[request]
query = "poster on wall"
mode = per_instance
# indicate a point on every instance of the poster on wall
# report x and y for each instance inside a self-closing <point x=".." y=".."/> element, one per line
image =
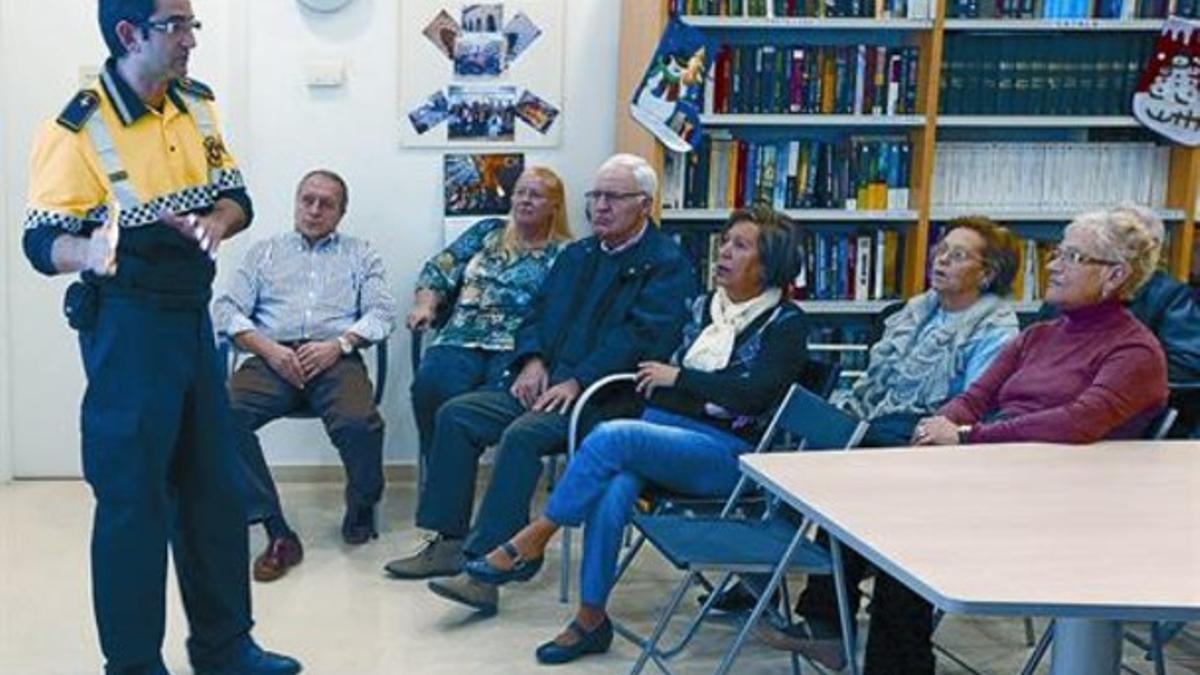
<point x="480" y="184"/>
<point x="476" y="75"/>
<point x="1167" y="100"/>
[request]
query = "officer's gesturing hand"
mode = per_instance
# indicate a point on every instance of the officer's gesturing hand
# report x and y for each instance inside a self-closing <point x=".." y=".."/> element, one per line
<point x="207" y="231"/>
<point x="317" y="357"/>
<point x="286" y="363"/>
<point x="100" y="254"/>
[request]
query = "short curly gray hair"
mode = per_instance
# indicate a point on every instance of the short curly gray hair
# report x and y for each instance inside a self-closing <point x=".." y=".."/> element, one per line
<point x="643" y="174"/>
<point x="1121" y="235"/>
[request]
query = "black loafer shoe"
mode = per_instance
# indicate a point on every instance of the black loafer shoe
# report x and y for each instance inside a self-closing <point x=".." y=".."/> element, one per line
<point x="522" y="570"/>
<point x="250" y="659"/>
<point x="358" y="525"/>
<point x="595" y="641"/>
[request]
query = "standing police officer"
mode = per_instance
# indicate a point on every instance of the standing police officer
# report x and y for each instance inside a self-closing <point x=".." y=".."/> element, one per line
<point x="133" y="187"/>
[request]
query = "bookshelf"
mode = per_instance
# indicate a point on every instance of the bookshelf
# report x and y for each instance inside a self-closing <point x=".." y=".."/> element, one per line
<point x="642" y="22"/>
<point x="843" y="327"/>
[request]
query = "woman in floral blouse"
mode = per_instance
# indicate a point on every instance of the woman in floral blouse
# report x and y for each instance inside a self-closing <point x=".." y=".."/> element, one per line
<point x="484" y="282"/>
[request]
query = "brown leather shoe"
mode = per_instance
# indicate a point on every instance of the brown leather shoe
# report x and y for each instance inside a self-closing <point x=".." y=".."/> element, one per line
<point x="281" y="553"/>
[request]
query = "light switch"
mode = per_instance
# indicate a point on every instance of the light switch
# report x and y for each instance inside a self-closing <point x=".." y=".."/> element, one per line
<point x="88" y="75"/>
<point x="325" y="73"/>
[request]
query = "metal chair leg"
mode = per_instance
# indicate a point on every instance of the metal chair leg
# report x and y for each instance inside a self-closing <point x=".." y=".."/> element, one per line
<point x="661" y="627"/>
<point x="780" y="569"/>
<point x="564" y="571"/>
<point x="1039" y="650"/>
<point x="845" y="618"/>
<point x="1030" y="633"/>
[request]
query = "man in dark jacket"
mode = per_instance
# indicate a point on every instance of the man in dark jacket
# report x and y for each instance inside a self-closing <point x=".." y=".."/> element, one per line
<point x="612" y="300"/>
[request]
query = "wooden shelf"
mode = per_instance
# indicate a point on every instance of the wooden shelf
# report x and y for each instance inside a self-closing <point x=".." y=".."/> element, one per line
<point x="843" y="306"/>
<point x="1039" y="121"/>
<point x="643" y="21"/>
<point x="803" y="120"/>
<point x="805" y="23"/>
<point x="800" y="215"/>
<point x="1038" y="215"/>
<point x="1053" y="25"/>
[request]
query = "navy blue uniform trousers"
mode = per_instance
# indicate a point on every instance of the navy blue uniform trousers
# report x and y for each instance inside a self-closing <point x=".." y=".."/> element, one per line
<point x="157" y="453"/>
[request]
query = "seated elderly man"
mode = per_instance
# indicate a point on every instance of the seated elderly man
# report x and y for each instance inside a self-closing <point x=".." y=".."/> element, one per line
<point x="611" y="301"/>
<point x="302" y="304"/>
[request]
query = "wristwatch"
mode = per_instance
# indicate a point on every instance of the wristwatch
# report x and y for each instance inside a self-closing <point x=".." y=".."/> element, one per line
<point x="964" y="433"/>
<point x="346" y="345"/>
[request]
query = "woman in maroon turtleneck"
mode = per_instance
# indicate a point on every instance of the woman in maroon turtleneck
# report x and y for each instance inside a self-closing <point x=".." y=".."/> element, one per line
<point x="1093" y="373"/>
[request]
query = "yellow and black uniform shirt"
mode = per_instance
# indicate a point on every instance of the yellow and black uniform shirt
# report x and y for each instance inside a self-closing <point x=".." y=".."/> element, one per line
<point x="108" y="147"/>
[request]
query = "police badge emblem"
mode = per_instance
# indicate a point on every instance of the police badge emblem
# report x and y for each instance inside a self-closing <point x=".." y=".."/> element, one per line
<point x="214" y="151"/>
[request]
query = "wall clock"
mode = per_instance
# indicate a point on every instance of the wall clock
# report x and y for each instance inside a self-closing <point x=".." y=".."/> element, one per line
<point x="325" y="6"/>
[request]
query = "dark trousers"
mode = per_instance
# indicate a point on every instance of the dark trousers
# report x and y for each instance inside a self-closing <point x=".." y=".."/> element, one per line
<point x="341" y="396"/>
<point x="158" y="455"/>
<point x="901" y="631"/>
<point x="446" y="372"/>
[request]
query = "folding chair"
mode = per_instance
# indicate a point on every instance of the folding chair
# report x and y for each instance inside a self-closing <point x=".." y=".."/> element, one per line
<point x="731" y="545"/>
<point x="819" y="377"/>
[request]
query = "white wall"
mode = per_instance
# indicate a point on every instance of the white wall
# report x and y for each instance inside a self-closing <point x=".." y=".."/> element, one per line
<point x="253" y="53"/>
<point x="5" y="317"/>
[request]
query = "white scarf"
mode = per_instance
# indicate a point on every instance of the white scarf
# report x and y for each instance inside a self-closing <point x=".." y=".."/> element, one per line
<point x="714" y="346"/>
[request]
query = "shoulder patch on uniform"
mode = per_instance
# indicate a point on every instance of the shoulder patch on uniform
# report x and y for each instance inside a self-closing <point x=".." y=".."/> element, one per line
<point x="195" y="88"/>
<point x="82" y="106"/>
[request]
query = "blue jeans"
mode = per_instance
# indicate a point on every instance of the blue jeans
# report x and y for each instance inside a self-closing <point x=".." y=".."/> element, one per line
<point x="602" y="483"/>
<point x="445" y="372"/>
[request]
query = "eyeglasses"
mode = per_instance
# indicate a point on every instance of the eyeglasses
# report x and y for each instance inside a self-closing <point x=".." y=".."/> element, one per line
<point x="597" y="196"/>
<point x="954" y="255"/>
<point x="173" y="25"/>
<point x="1074" y="256"/>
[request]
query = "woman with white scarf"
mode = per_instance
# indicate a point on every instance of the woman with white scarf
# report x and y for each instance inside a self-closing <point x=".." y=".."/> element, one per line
<point x="742" y="349"/>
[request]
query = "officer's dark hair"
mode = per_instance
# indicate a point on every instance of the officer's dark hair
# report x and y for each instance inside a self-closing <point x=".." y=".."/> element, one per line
<point x="326" y="173"/>
<point x="113" y="12"/>
<point x="778" y="243"/>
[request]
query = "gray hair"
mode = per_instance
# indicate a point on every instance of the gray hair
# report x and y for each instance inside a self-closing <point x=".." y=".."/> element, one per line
<point x="1121" y="235"/>
<point x="643" y="174"/>
<point x="1148" y="219"/>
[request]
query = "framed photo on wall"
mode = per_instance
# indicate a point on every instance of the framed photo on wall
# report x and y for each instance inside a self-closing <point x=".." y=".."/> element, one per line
<point x="481" y="75"/>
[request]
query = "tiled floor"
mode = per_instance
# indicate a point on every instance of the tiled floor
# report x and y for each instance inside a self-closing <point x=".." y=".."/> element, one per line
<point x="340" y="615"/>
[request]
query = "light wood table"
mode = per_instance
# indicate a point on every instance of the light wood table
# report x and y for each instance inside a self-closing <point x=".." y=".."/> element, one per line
<point x="1089" y="535"/>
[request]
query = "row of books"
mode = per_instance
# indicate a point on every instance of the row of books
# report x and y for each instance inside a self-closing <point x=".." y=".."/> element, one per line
<point x="1004" y="74"/>
<point x="856" y="173"/>
<point x="1071" y="9"/>
<point x="858" y="266"/>
<point x="871" y="9"/>
<point x="994" y="177"/>
<point x="862" y="79"/>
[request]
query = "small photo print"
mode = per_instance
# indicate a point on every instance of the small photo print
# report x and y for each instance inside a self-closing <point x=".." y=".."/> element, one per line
<point x="487" y="18"/>
<point x="536" y="112"/>
<point x="481" y="184"/>
<point x="443" y="32"/>
<point x="479" y="55"/>
<point x="482" y="113"/>
<point x="520" y="33"/>
<point x="431" y="113"/>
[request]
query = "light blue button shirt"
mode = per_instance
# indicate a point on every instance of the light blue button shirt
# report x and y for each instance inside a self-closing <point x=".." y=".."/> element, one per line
<point x="291" y="291"/>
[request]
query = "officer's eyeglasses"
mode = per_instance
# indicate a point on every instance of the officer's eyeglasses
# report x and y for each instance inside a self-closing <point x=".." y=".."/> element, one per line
<point x="173" y="25"/>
